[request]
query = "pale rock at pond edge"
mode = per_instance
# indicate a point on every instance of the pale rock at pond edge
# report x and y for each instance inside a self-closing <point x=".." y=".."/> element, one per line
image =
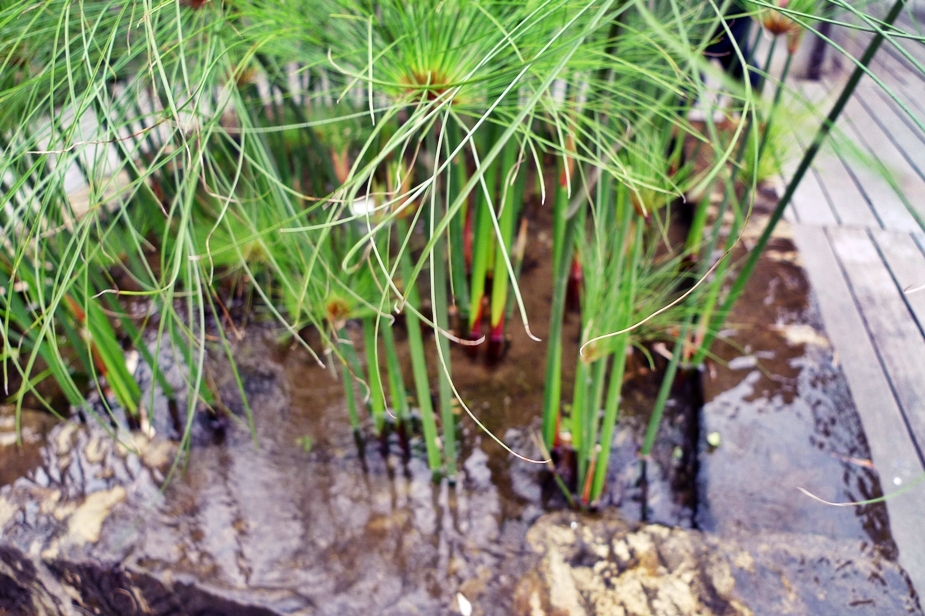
<point x="52" y="522"/>
<point x="601" y="565"/>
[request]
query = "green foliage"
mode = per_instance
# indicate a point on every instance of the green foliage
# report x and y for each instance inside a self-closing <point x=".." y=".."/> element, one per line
<point x="319" y="159"/>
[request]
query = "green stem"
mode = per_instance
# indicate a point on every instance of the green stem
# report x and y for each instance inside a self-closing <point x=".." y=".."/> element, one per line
<point x="591" y="417"/>
<point x="706" y="307"/>
<point x="396" y="381"/>
<point x="738" y="286"/>
<point x="562" y="263"/>
<point x="518" y="254"/>
<point x="376" y="391"/>
<point x="419" y="362"/>
<point x="711" y="301"/>
<point x="458" y="177"/>
<point x="667" y="381"/>
<point x="774" y="105"/>
<point x="512" y="193"/>
<point x="579" y="437"/>
<point x="611" y="412"/>
<point x="483" y="243"/>
<point x="346" y="350"/>
<point x="700" y="216"/>
<point x="441" y="319"/>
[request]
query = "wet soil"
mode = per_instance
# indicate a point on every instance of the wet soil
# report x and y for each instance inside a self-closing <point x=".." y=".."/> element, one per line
<point x="273" y="528"/>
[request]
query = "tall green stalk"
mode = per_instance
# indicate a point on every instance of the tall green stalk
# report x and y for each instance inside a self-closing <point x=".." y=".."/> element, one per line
<point x="738" y="285"/>
<point x="376" y="391"/>
<point x="442" y="322"/>
<point x="664" y="390"/>
<point x="419" y="362"/>
<point x="709" y="304"/>
<point x="456" y="180"/>
<point x="483" y="243"/>
<point x="563" y="233"/>
<point x="349" y="360"/>
<point x="512" y="190"/>
<point x="611" y="412"/>
<point x="397" y="390"/>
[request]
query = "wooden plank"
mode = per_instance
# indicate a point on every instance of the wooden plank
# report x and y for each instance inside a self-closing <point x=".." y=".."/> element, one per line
<point x="849" y="204"/>
<point x="895" y="334"/>
<point x="882" y="64"/>
<point x="910" y="96"/>
<point x="907" y="264"/>
<point x="908" y="137"/>
<point x="850" y="207"/>
<point x="893" y="75"/>
<point x="809" y="203"/>
<point x="859" y="195"/>
<point x="888" y="137"/>
<point x="913" y="48"/>
<point x="906" y="62"/>
<point x="876" y="191"/>
<point x="890" y="203"/>
<point x="907" y="65"/>
<point x="892" y="449"/>
<point x="882" y="125"/>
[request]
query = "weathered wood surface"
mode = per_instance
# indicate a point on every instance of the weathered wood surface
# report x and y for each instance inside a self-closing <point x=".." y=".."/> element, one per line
<point x="809" y="204"/>
<point x="836" y="179"/>
<point x="895" y="332"/>
<point x="894" y="453"/>
<point x="901" y="129"/>
<point x="893" y="176"/>
<point x="906" y="261"/>
<point x="866" y="257"/>
<point x="852" y="174"/>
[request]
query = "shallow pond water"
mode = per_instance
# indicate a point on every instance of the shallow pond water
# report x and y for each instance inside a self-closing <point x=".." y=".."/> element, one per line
<point x="279" y="528"/>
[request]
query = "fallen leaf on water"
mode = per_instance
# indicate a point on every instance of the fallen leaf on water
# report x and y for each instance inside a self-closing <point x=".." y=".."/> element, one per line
<point x="859" y="461"/>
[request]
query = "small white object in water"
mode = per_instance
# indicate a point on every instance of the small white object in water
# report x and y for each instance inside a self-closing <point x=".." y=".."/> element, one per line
<point x="574" y="525"/>
<point x="465" y="607"/>
<point x="714" y="439"/>
<point x="897" y="481"/>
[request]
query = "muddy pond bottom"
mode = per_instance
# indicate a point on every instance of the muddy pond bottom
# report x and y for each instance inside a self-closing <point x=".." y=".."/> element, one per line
<point x="307" y="522"/>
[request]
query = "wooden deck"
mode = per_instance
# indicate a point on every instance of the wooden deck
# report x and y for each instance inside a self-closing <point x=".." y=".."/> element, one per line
<point x="858" y="224"/>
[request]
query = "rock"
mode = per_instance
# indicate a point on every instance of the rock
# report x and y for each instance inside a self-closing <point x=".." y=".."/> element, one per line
<point x="90" y="528"/>
<point x="605" y="566"/>
<point x="78" y="545"/>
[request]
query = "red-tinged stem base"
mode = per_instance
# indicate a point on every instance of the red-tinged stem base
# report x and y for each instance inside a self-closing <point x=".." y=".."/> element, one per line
<point x="497" y="343"/>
